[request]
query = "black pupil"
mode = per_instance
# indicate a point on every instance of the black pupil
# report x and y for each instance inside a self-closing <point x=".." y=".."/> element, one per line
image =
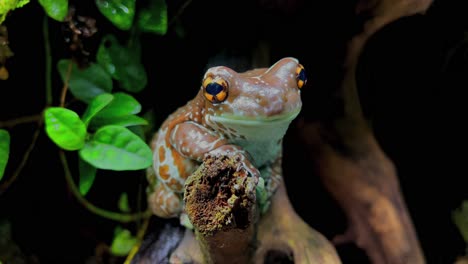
<point x="214" y="88"/>
<point x="302" y="75"/>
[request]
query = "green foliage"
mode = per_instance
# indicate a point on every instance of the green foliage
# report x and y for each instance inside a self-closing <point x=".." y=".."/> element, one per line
<point x="10" y="5"/>
<point x="128" y="120"/>
<point x="122" y="63"/>
<point x="122" y="104"/>
<point x="123" y="203"/>
<point x="119" y="12"/>
<point x="85" y="84"/>
<point x="123" y="242"/>
<point x="460" y="218"/>
<point x="4" y="150"/>
<point x="65" y="128"/>
<point x="154" y="18"/>
<point x="121" y="111"/>
<point x="96" y="105"/>
<point x="116" y="148"/>
<point x="87" y="176"/>
<point x="56" y="9"/>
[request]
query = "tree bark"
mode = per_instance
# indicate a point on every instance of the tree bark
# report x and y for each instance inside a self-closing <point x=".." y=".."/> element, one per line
<point x="350" y="162"/>
<point x="220" y="203"/>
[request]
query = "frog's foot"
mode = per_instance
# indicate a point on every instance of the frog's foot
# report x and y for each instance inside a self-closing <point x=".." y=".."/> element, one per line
<point x="243" y="156"/>
<point x="188" y="251"/>
<point x="282" y="230"/>
<point x="164" y="202"/>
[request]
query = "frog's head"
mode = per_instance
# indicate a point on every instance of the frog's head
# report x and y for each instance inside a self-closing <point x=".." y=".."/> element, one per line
<point x="260" y="95"/>
<point x="254" y="109"/>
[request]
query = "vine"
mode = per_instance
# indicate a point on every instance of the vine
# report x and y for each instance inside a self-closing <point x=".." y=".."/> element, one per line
<point x="108" y="134"/>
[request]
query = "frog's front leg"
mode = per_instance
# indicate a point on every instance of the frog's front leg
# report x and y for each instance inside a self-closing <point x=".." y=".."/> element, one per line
<point x="271" y="178"/>
<point x="195" y="141"/>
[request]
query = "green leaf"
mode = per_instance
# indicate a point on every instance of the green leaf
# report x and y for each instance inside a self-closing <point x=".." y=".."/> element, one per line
<point x="119" y="12"/>
<point x="85" y="84"/>
<point x="103" y="56"/>
<point x="56" y="9"/>
<point x="10" y="5"/>
<point x="117" y="148"/>
<point x="123" y="203"/>
<point x="87" y="176"/>
<point x="124" y="121"/>
<point x="65" y="128"/>
<point x="4" y="150"/>
<point x="96" y="105"/>
<point x="123" y="104"/>
<point x="154" y="18"/>
<point x="122" y="63"/>
<point x="123" y="242"/>
<point x="460" y="218"/>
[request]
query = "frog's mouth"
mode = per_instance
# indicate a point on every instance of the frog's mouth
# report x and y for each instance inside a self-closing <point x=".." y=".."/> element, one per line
<point x="256" y="120"/>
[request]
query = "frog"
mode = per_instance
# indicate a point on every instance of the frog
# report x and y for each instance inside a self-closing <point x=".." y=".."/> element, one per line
<point x="233" y="113"/>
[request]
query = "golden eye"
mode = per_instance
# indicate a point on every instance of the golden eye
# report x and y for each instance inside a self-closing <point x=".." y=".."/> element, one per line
<point x="301" y="76"/>
<point x="215" y="90"/>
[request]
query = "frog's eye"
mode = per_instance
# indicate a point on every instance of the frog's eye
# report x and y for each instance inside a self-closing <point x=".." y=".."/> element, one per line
<point x="301" y="76"/>
<point x="215" y="90"/>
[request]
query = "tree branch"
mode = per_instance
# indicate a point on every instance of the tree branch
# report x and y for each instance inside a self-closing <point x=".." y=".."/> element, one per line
<point x="352" y="165"/>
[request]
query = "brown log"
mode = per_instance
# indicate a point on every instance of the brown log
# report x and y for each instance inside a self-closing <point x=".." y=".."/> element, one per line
<point x="230" y="232"/>
<point x="220" y="203"/>
<point x="352" y="165"/>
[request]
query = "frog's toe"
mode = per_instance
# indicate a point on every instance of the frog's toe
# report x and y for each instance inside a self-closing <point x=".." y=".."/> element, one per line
<point x="164" y="202"/>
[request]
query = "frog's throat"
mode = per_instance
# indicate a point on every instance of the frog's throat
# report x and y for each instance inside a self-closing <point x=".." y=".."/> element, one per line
<point x="256" y="120"/>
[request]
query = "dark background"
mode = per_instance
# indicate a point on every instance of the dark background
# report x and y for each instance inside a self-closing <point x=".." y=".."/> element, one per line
<point x="411" y="80"/>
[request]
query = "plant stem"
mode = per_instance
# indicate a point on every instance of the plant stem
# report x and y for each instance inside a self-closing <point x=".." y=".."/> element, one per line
<point x="65" y="84"/>
<point x="17" y="172"/>
<point x="136" y="247"/>
<point x="48" y="60"/>
<point x="119" y="217"/>
<point x="21" y="120"/>
<point x="179" y="12"/>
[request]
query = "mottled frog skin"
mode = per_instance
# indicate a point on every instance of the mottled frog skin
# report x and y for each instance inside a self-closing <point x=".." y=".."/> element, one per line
<point x="246" y="113"/>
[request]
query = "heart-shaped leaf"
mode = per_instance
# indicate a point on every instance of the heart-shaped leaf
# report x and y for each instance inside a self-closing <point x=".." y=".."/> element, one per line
<point x="123" y="104"/>
<point x="154" y="18"/>
<point x="65" y="128"/>
<point x="117" y="148"/>
<point x="4" y="150"/>
<point x="96" y="105"/>
<point x="119" y="12"/>
<point x="124" y="121"/>
<point x="56" y="9"/>
<point x="123" y="242"/>
<point x="85" y="84"/>
<point x="87" y="176"/>
<point x="122" y="63"/>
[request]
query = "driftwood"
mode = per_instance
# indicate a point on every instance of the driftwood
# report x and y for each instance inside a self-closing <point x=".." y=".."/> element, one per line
<point x="220" y="201"/>
<point x="221" y="204"/>
<point x="350" y="162"/>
